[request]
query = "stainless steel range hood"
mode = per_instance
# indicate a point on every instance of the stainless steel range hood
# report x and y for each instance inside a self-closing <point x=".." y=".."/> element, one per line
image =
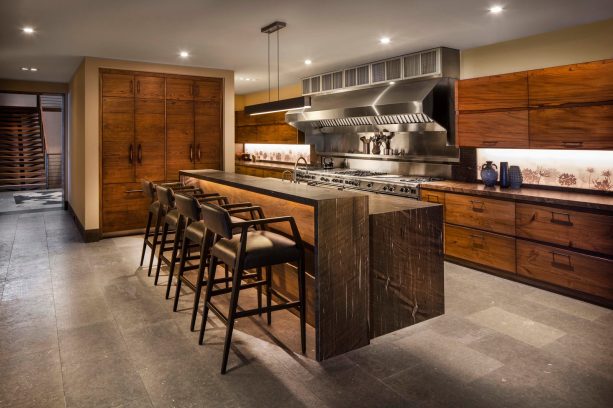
<point x="421" y="105"/>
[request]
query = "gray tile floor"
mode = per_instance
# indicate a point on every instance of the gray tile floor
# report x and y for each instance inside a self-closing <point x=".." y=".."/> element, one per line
<point x="82" y="326"/>
<point x="9" y="205"/>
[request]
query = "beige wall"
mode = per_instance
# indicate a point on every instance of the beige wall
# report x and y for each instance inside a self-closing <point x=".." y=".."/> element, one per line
<point x="285" y="92"/>
<point x="91" y="149"/>
<point x="75" y="180"/>
<point x="583" y="43"/>
<point x="32" y="86"/>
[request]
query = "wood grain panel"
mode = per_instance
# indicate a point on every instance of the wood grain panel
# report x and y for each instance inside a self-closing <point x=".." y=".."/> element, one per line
<point x="150" y="136"/>
<point x="246" y="134"/>
<point x="577" y="83"/>
<point x="342" y="278"/>
<point x="208" y="134"/>
<point x="117" y="140"/>
<point x="120" y="85"/>
<point x="179" y="89"/>
<point x="478" y="212"/>
<point x="208" y="90"/>
<point x="493" y="129"/>
<point x="259" y="172"/>
<point x="484" y="248"/>
<point x="564" y="268"/>
<point x="574" y="229"/>
<point x="150" y="87"/>
<point x="582" y="127"/>
<point x="180" y="149"/>
<point x="406" y="286"/>
<point x="432" y="196"/>
<point x="123" y="207"/>
<point x="493" y="92"/>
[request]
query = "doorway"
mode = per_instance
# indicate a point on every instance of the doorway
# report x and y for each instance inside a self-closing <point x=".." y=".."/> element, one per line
<point x="31" y="152"/>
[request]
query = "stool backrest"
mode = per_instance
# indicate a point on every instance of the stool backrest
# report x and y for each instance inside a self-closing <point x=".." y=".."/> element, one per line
<point x="217" y="220"/>
<point x="149" y="190"/>
<point x="166" y="196"/>
<point x="188" y="206"/>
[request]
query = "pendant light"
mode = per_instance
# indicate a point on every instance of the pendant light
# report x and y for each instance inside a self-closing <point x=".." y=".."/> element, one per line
<point x="278" y="105"/>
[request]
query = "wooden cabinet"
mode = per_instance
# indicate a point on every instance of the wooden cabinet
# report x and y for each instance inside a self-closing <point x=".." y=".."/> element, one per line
<point x="576" y="83"/>
<point x="432" y="196"/>
<point x="580" y="127"/>
<point x="114" y="84"/>
<point x="492" y="250"/>
<point x="150" y="87"/>
<point x="494" y="129"/>
<point x="179" y="89"/>
<point x="258" y="171"/>
<point x="583" y="273"/>
<point x="152" y="126"/>
<point x="269" y="128"/>
<point x="493" y="92"/>
<point x="478" y="212"/>
<point x="565" y="227"/>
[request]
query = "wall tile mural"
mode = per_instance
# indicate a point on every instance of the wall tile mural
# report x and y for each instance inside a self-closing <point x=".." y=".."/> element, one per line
<point x="587" y="169"/>
<point x="278" y="152"/>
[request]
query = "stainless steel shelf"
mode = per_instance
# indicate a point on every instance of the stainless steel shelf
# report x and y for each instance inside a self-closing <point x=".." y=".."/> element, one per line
<point x="405" y="158"/>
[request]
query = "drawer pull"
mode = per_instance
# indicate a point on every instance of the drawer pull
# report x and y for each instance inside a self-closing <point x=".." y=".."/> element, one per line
<point x="477" y="205"/>
<point x="479" y="244"/>
<point x="556" y="258"/>
<point x="572" y="144"/>
<point x="433" y="199"/>
<point x="490" y="142"/>
<point x="559" y="220"/>
<point x="133" y="191"/>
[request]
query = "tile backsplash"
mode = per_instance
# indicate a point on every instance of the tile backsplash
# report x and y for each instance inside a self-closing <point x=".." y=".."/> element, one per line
<point x="587" y="169"/>
<point x="278" y="152"/>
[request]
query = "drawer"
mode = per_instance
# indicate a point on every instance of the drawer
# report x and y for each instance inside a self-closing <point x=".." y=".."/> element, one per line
<point x="493" y="250"/>
<point x="482" y="213"/>
<point x="123" y="207"/>
<point x="588" y="274"/>
<point x="432" y="196"/>
<point x="574" y="229"/>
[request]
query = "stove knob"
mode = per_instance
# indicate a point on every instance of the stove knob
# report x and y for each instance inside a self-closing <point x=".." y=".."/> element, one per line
<point x="385" y="188"/>
<point x="392" y="188"/>
<point x="369" y="185"/>
<point x="403" y="190"/>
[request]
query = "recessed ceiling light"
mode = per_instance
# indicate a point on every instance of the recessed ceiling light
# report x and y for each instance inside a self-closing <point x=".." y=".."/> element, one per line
<point x="392" y="83"/>
<point x="25" y="68"/>
<point x="28" y="30"/>
<point x="385" y="40"/>
<point x="308" y="62"/>
<point x="183" y="54"/>
<point x="496" y="9"/>
<point x="33" y="69"/>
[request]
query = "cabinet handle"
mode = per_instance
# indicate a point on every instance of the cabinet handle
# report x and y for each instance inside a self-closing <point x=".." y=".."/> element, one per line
<point x="139" y="153"/>
<point x="561" y="265"/>
<point x="196" y="90"/>
<point x="490" y="142"/>
<point x="558" y="221"/>
<point x="199" y="153"/>
<point x="191" y="153"/>
<point x="433" y="198"/>
<point x="481" y="205"/>
<point x="475" y="244"/>
<point x="138" y="87"/>
<point x="572" y="144"/>
<point x="133" y="191"/>
<point x="131" y="154"/>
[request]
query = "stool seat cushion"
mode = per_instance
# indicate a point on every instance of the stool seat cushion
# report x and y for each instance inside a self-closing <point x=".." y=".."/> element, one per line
<point x="196" y="230"/>
<point x="154" y="207"/>
<point x="263" y="248"/>
<point x="172" y="218"/>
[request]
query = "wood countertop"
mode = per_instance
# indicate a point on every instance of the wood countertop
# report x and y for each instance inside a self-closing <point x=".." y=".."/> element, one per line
<point x="534" y="195"/>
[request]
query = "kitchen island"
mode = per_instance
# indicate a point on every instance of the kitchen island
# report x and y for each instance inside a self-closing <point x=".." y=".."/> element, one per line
<point x="374" y="263"/>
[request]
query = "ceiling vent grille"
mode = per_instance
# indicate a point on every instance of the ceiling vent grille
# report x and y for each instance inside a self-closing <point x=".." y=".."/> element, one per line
<point x="392" y="69"/>
<point x="412" y="65"/>
<point x="326" y="82"/>
<point x="363" y="75"/>
<point x="315" y="84"/>
<point x="429" y="63"/>
<point x="337" y="80"/>
<point x="378" y="72"/>
<point x="402" y="119"/>
<point x="306" y="86"/>
<point x="351" y="77"/>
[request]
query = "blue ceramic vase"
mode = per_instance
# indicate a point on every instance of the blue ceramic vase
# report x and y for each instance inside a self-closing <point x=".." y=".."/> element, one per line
<point x="504" y="175"/>
<point x="489" y="174"/>
<point x="515" y="177"/>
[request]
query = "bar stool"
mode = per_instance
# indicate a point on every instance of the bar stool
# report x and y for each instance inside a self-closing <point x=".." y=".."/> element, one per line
<point x="247" y="250"/>
<point x="174" y="225"/>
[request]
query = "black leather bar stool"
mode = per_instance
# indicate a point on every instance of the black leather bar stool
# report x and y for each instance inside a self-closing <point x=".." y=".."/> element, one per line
<point x="174" y="226"/>
<point x="156" y="212"/>
<point x="247" y="250"/>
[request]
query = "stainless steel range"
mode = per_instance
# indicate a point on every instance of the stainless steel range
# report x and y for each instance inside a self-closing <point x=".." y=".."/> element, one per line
<point x="371" y="181"/>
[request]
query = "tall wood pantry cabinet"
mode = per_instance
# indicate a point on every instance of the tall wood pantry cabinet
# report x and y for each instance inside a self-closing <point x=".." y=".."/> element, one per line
<point x="152" y="125"/>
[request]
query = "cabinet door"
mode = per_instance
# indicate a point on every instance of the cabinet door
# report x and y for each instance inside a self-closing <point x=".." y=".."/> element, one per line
<point x="577" y="83"/>
<point x="179" y="137"/>
<point x="208" y="90"/>
<point x="150" y="87"/>
<point x="117" y="85"/>
<point x="149" y="139"/>
<point x="246" y="134"/>
<point x="208" y="135"/>
<point x="494" y="129"/>
<point x="179" y="89"/>
<point x="118" y="150"/>
<point x="123" y="207"/>
<point x="494" y="92"/>
<point x="582" y="127"/>
<point x="478" y="212"/>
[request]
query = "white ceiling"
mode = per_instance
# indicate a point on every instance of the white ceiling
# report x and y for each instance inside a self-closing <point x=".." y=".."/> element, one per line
<point x="226" y="34"/>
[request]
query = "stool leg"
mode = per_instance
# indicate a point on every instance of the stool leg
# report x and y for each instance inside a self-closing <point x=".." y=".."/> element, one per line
<point x="175" y="250"/>
<point x="302" y="295"/>
<point x="259" y="288"/>
<point x="236" y="281"/>
<point x="268" y="294"/>
<point x="147" y="229"/>
<point x="225" y="267"/>
<point x="207" y="296"/>
<point x="198" y="290"/>
<point x="161" y="254"/>
<point x="184" y="247"/>
<point x="155" y="240"/>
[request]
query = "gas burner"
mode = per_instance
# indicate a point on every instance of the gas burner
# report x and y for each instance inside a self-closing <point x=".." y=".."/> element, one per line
<point x="419" y="179"/>
<point x="358" y="173"/>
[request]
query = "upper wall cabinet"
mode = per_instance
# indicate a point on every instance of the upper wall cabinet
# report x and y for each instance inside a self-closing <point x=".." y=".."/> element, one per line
<point x="117" y="85"/>
<point x="208" y="90"/>
<point x="268" y="128"/>
<point x="150" y="87"/>
<point x="506" y="91"/>
<point x="180" y="89"/>
<point x="507" y="129"/>
<point x="571" y="84"/>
